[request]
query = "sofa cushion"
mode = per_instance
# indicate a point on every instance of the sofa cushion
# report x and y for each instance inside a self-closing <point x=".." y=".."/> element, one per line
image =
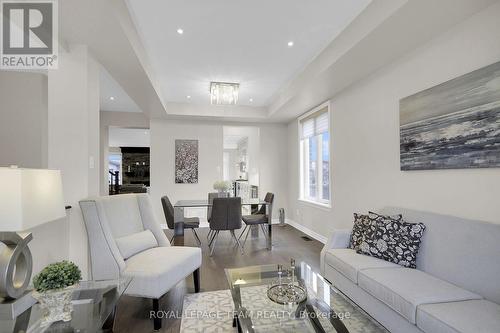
<point x="135" y="243"/>
<point x="349" y="263"/>
<point x="479" y="316"/>
<point x="403" y="289"/>
<point x="156" y="270"/>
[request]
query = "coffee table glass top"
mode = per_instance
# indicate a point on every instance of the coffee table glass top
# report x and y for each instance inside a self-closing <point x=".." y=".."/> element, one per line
<point x="93" y="306"/>
<point x="325" y="305"/>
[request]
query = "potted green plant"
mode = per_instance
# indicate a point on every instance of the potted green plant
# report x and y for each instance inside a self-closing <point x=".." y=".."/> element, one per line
<point x="222" y="187"/>
<point x="54" y="287"/>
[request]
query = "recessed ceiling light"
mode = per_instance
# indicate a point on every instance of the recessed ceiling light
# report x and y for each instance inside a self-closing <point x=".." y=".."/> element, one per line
<point x="290" y="43"/>
<point x="250" y="100"/>
<point x="112" y="98"/>
<point x="180" y="31"/>
<point x="188" y="96"/>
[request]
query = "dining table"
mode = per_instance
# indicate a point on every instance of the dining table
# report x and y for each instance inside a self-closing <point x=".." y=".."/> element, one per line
<point x="180" y="205"/>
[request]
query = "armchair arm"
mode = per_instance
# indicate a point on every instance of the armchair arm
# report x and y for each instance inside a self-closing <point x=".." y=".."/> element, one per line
<point x="338" y="240"/>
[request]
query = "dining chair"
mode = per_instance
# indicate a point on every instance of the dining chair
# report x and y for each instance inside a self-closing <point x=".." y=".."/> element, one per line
<point x="226" y="215"/>
<point x="211" y="197"/>
<point x="260" y="218"/>
<point x="189" y="222"/>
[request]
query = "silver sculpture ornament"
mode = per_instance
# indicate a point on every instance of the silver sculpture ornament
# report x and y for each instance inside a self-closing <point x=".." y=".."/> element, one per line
<point x="16" y="264"/>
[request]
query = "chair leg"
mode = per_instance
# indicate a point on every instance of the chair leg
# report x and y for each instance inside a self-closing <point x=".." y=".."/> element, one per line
<point x="156" y="319"/>
<point x="264" y="231"/>
<point x="213" y="242"/>
<point x="244" y="229"/>
<point x="172" y="240"/>
<point x="237" y="241"/>
<point x="248" y="232"/>
<point x="212" y="237"/>
<point x="196" y="278"/>
<point x="196" y="236"/>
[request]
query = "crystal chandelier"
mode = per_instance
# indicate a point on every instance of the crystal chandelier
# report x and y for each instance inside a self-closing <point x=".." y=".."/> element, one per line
<point x="223" y="93"/>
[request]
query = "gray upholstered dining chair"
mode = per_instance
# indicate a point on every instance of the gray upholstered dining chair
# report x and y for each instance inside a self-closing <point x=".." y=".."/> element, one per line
<point x="260" y="218"/>
<point x="211" y="197"/>
<point x="189" y="222"/>
<point x="226" y="215"/>
<point x="125" y="240"/>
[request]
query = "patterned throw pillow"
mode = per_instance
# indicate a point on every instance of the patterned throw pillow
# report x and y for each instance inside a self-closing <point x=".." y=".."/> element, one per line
<point x="361" y="224"/>
<point x="386" y="218"/>
<point x="394" y="241"/>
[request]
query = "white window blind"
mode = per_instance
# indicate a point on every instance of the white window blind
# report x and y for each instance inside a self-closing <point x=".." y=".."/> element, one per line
<point x="307" y="128"/>
<point x="315" y="124"/>
<point x="314" y="133"/>
<point x="321" y="123"/>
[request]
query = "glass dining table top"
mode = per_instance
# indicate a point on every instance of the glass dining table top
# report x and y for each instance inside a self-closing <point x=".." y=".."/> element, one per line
<point x="93" y="305"/>
<point x="325" y="310"/>
<point x="205" y="203"/>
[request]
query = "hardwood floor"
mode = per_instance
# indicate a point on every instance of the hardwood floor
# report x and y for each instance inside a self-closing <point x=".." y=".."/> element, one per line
<point x="133" y="313"/>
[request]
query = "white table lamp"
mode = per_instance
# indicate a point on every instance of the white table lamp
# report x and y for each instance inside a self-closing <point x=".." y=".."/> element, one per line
<point x="28" y="198"/>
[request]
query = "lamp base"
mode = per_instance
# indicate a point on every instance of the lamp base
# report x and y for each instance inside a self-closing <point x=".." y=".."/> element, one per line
<point x="15" y="264"/>
<point x="10" y="308"/>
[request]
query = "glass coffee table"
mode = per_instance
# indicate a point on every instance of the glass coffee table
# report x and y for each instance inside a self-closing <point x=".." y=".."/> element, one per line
<point x="325" y="310"/>
<point x="94" y="305"/>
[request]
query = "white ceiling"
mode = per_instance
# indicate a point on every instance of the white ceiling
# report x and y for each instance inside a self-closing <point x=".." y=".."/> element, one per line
<point x="383" y="32"/>
<point x="129" y="137"/>
<point x="112" y="95"/>
<point x="235" y="41"/>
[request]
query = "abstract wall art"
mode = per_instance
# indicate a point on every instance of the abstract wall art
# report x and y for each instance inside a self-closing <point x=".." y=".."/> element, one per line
<point x="454" y="125"/>
<point x="186" y="161"/>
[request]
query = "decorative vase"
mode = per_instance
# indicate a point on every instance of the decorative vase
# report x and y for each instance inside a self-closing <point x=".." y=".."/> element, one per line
<point x="55" y="304"/>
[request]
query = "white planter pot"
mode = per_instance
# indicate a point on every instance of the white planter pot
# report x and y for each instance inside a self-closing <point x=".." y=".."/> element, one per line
<point x="56" y="305"/>
<point x="223" y="194"/>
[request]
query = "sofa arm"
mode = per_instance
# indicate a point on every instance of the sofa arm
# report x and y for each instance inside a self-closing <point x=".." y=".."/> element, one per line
<point x="338" y="240"/>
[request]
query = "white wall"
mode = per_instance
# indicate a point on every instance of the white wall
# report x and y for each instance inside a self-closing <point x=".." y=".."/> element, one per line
<point x="128" y="137"/>
<point x="272" y="164"/>
<point x="23" y="119"/>
<point x="73" y="138"/>
<point x="365" y="147"/>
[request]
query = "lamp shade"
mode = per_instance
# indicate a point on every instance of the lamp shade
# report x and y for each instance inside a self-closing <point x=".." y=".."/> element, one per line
<point x="29" y="197"/>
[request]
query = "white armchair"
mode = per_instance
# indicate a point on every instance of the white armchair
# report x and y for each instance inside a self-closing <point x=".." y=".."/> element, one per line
<point x="126" y="240"/>
<point x="338" y="240"/>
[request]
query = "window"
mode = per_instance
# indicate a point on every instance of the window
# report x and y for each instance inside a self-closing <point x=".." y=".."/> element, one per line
<point x="314" y="131"/>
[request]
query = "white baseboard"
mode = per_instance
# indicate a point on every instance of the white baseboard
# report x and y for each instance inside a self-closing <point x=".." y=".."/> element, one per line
<point x="307" y="231"/>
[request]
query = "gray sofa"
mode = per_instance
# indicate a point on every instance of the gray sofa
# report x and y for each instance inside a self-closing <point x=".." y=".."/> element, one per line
<point x="455" y="288"/>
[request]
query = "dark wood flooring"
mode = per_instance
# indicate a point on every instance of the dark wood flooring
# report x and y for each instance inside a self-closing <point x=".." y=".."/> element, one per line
<point x="133" y="313"/>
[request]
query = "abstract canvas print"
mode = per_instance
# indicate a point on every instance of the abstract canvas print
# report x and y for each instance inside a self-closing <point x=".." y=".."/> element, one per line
<point x="454" y="125"/>
<point x="186" y="161"/>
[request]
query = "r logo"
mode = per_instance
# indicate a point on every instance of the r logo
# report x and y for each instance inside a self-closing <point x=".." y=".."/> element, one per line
<point x="27" y="28"/>
<point x="29" y="34"/>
